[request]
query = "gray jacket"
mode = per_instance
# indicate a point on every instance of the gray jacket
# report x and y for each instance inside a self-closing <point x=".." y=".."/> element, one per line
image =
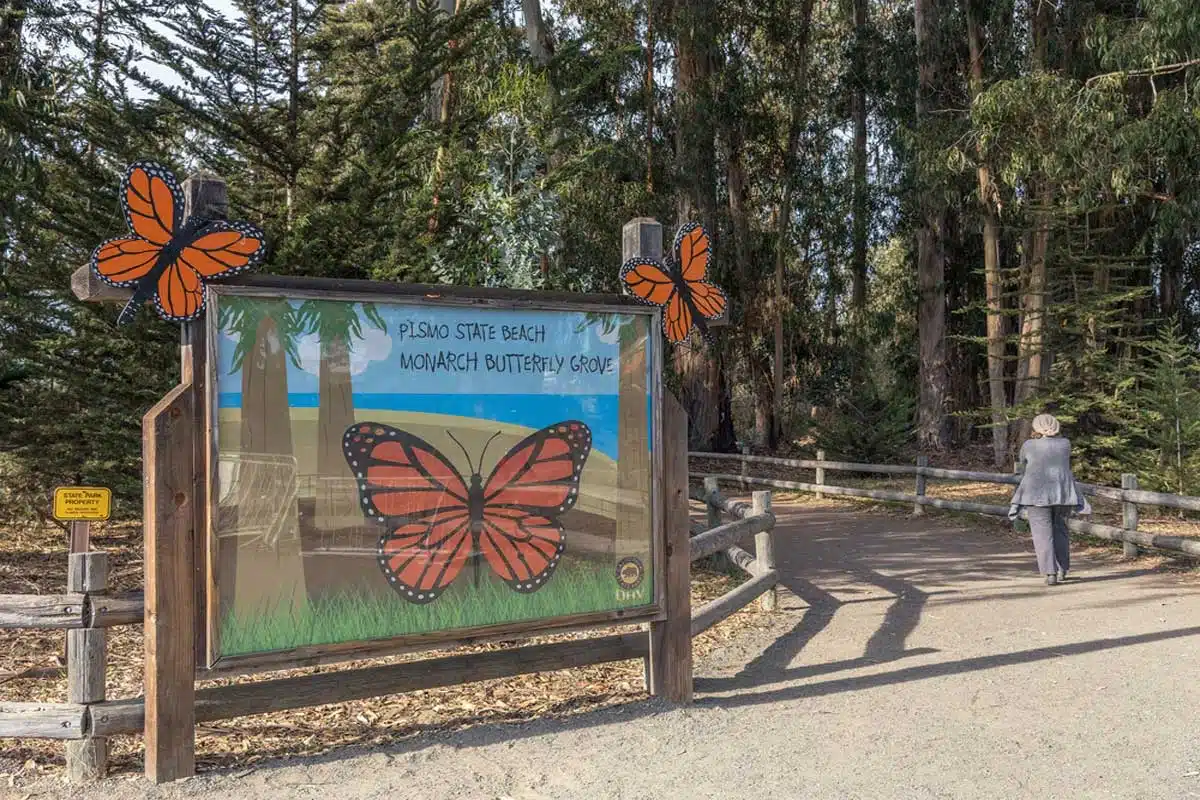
<point x="1046" y="478"/>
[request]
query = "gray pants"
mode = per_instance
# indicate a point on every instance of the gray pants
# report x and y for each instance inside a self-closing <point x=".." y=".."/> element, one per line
<point x="1051" y="540"/>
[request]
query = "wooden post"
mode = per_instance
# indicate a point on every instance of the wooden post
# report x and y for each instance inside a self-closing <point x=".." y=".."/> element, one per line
<point x="205" y="196"/>
<point x="87" y="658"/>
<point x="671" y="639"/>
<point x="745" y="466"/>
<point x="79" y="539"/>
<point x="634" y="514"/>
<point x="820" y="474"/>
<point x="1129" y="513"/>
<point x="642" y="237"/>
<point x="169" y="520"/>
<point x="764" y="549"/>
<point x="711" y="489"/>
<point x="922" y="462"/>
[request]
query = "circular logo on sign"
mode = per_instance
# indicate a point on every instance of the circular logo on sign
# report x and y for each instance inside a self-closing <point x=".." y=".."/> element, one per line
<point x="630" y="572"/>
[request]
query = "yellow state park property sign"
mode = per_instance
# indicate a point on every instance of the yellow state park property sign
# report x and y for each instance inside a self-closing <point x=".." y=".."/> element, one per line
<point x="76" y="503"/>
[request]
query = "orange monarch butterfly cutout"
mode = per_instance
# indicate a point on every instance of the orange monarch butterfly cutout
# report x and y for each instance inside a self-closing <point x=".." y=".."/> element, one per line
<point x="681" y="288"/>
<point x="436" y="520"/>
<point x="167" y="259"/>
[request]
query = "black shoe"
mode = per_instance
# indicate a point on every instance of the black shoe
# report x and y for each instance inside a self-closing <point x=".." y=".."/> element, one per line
<point x="1051" y="579"/>
<point x="1062" y="576"/>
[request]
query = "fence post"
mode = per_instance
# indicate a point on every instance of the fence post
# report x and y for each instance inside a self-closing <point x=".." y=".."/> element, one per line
<point x="745" y="466"/>
<point x="922" y="462"/>
<point x="764" y="549"/>
<point x="711" y="489"/>
<point x="87" y="657"/>
<point x="1129" y="513"/>
<point x="670" y="666"/>
<point x="169" y="521"/>
<point x="820" y="474"/>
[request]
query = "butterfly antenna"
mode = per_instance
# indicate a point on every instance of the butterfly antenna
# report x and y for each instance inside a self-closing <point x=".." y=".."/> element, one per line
<point x="464" y="451"/>
<point x="485" y="447"/>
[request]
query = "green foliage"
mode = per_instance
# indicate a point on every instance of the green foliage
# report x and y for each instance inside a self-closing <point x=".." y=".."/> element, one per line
<point x="1169" y="406"/>
<point x="874" y="425"/>
<point x="391" y="140"/>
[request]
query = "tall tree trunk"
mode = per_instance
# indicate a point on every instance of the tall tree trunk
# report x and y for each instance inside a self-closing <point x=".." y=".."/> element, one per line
<point x="293" y="108"/>
<point x="783" y="216"/>
<point x="1031" y="361"/>
<point x="696" y="22"/>
<point x="650" y="96"/>
<point x="98" y="48"/>
<point x="440" y="109"/>
<point x="751" y="319"/>
<point x="541" y="47"/>
<point x="931" y="257"/>
<point x="860" y="229"/>
<point x="993" y="281"/>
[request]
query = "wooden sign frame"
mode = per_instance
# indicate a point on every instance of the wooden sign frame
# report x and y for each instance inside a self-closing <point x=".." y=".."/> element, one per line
<point x="208" y="658"/>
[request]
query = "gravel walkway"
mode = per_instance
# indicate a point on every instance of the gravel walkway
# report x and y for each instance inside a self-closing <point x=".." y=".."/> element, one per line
<point x="913" y="658"/>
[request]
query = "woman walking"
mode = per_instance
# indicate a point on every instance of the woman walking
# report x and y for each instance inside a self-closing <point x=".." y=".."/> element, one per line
<point x="1047" y="495"/>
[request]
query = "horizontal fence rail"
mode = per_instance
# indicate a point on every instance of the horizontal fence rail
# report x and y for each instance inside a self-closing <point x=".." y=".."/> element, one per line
<point x="69" y="611"/>
<point x="749" y="519"/>
<point x="1128" y="495"/>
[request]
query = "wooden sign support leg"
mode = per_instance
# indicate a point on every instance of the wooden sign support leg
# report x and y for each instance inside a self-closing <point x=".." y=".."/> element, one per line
<point x="671" y="639"/>
<point x="167" y="442"/>
<point x="87" y="759"/>
<point x="80" y="537"/>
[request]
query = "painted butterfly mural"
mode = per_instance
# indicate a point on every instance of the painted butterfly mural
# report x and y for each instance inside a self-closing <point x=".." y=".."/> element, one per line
<point x="680" y="288"/>
<point x="436" y="520"/>
<point x="167" y="259"/>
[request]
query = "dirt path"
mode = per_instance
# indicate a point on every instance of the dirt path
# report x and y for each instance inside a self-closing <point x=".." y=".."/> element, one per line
<point x="913" y="659"/>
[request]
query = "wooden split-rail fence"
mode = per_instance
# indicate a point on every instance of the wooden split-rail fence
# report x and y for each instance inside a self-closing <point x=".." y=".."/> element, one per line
<point x="88" y="718"/>
<point x="1128" y="495"/>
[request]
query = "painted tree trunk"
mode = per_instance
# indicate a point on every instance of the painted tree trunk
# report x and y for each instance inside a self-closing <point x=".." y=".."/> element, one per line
<point x="335" y="502"/>
<point x="265" y="572"/>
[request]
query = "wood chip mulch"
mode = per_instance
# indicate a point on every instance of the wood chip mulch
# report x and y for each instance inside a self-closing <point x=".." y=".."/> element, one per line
<point x="33" y="561"/>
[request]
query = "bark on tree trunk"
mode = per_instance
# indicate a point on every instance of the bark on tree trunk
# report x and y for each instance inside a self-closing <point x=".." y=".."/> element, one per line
<point x="696" y="156"/>
<point x="993" y="282"/>
<point x="861" y="201"/>
<point x="441" y="100"/>
<point x="931" y="266"/>
<point x="1031" y="362"/>
<point x="541" y="47"/>
<point x="751" y="318"/>
<point x="783" y="216"/>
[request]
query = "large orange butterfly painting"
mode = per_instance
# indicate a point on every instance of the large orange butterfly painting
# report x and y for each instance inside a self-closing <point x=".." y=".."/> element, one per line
<point x="167" y="259"/>
<point x="680" y="288"/>
<point x="436" y="521"/>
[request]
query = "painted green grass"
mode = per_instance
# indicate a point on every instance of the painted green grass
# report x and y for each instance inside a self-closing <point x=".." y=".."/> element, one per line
<point x="577" y="588"/>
